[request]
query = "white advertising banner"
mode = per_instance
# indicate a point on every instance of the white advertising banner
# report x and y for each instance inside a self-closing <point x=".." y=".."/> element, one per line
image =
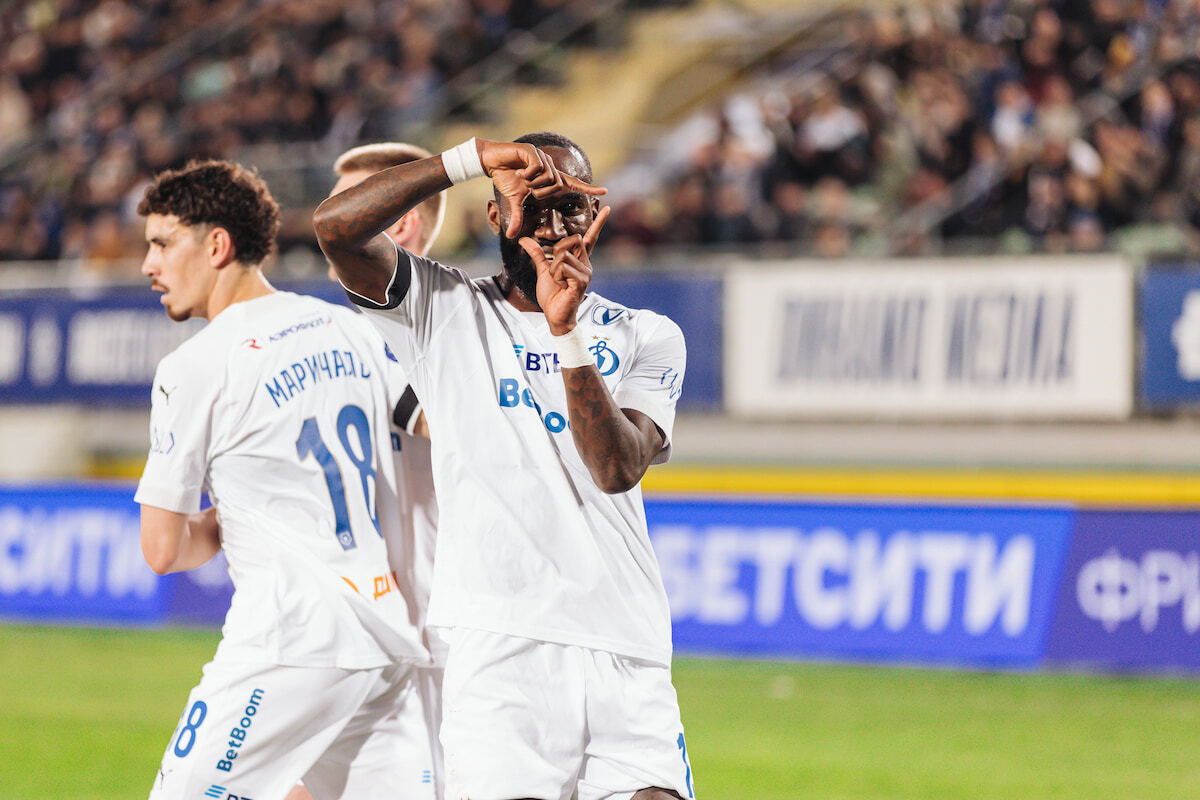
<point x="982" y="338"/>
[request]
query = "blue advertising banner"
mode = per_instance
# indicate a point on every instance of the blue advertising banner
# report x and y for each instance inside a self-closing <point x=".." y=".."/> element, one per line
<point x="694" y="303"/>
<point x="102" y="348"/>
<point x="73" y="553"/>
<point x="93" y="348"/>
<point x="1169" y="308"/>
<point x="58" y="346"/>
<point x="979" y="586"/>
<point x="911" y="583"/>
<point x="1130" y="592"/>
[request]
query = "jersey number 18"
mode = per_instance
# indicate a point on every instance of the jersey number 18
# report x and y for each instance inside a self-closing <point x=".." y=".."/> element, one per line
<point x="310" y="443"/>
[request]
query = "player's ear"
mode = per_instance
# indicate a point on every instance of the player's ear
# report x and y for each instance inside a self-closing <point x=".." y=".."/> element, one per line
<point x="493" y="217"/>
<point x="219" y="245"/>
<point x="406" y="231"/>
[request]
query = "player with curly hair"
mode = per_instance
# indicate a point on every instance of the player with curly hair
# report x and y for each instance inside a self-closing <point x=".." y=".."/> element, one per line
<point x="280" y="410"/>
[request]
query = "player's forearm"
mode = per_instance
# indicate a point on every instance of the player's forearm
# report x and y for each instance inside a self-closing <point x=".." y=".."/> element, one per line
<point x="174" y="542"/>
<point x="204" y="537"/>
<point x="350" y="225"/>
<point x="362" y="212"/>
<point x="616" y="450"/>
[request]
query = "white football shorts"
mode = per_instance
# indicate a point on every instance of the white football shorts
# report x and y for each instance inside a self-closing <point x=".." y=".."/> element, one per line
<point x="252" y="731"/>
<point x="429" y="686"/>
<point x="523" y="718"/>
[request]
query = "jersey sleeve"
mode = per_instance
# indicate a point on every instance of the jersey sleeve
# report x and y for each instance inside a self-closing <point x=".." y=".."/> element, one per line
<point x="654" y="381"/>
<point x="402" y="398"/>
<point x="396" y="287"/>
<point x="181" y="409"/>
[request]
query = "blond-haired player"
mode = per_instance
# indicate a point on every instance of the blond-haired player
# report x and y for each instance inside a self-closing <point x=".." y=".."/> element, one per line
<point x="411" y="547"/>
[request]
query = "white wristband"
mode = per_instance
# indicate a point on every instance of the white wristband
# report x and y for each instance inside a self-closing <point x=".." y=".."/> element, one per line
<point x="462" y="163"/>
<point x="572" y="350"/>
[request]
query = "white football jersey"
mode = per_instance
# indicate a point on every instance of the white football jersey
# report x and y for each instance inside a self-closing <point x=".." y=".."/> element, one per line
<point x="280" y="409"/>
<point x="527" y="544"/>
<point x="411" y="546"/>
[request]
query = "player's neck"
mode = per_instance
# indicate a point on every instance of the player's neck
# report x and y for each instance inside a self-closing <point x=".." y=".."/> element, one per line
<point x="513" y="295"/>
<point x="237" y="284"/>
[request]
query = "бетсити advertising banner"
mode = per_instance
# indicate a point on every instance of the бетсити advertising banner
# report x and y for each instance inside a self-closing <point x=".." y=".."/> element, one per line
<point x="908" y="583"/>
<point x="73" y="553"/>
<point x="962" y="585"/>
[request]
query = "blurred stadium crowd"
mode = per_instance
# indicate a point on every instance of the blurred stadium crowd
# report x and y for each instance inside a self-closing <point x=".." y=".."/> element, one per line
<point x="97" y="96"/>
<point x="990" y="126"/>
<point x="997" y="125"/>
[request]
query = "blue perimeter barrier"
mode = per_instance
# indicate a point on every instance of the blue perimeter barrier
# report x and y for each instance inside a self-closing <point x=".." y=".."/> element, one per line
<point x="980" y="586"/>
<point x="101" y="348"/>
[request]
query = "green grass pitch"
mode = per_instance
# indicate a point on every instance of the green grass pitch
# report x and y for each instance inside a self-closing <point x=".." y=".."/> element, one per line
<point x="85" y="715"/>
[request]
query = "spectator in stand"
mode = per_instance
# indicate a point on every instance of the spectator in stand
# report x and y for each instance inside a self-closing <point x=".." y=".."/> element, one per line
<point x="833" y="136"/>
<point x="730" y="220"/>
<point x="791" y="220"/>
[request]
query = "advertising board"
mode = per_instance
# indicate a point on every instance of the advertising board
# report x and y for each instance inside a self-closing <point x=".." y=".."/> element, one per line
<point x="1169" y="316"/>
<point x="101" y="348"/>
<point x="1029" y="338"/>
<point x="1130" y="592"/>
<point x="909" y="583"/>
<point x="969" y="585"/>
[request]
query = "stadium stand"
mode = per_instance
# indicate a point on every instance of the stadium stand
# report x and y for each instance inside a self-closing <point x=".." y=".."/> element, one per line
<point x="96" y="96"/>
<point x="888" y="129"/>
<point x="769" y="126"/>
<point x="948" y="128"/>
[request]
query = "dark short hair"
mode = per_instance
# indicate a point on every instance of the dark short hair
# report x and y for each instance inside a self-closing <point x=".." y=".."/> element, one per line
<point x="550" y="139"/>
<point x="222" y="194"/>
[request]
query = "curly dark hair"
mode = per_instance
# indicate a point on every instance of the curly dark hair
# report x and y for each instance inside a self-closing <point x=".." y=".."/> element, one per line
<point x="222" y="194"/>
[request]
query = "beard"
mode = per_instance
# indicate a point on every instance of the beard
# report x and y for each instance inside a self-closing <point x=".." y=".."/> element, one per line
<point x="518" y="266"/>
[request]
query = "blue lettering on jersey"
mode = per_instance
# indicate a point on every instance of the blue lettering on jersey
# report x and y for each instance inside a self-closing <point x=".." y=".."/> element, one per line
<point x="542" y="362"/>
<point x="511" y="395"/>
<point x="314" y="366"/>
<point x="607" y="360"/>
<point x="670" y="379"/>
<point x="299" y="326"/>
<point x="276" y="392"/>
<point x="313" y="369"/>
<point x="300" y="373"/>
<point x="536" y="362"/>
<point x="289" y="383"/>
<point x="161" y="442"/>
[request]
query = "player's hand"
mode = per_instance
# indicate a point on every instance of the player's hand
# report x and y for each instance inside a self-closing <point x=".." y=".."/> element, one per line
<point x="519" y="170"/>
<point x="563" y="278"/>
